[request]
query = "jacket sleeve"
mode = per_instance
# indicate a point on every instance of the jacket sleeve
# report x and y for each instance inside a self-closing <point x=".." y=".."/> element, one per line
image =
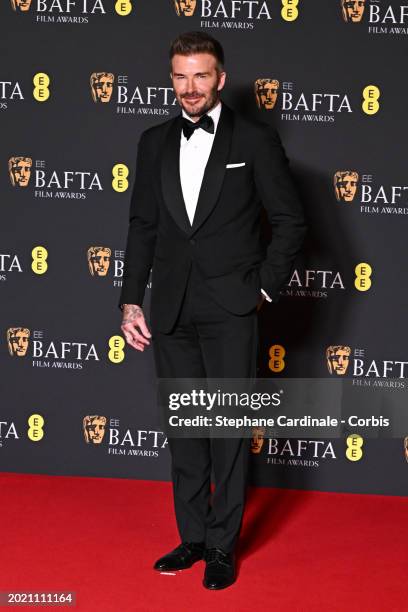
<point x="284" y="209"/>
<point x="143" y="221"/>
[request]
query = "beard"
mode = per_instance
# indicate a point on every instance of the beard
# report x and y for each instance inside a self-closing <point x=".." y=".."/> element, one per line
<point x="205" y="106"/>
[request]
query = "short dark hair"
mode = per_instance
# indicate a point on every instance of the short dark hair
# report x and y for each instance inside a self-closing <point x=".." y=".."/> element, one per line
<point x="197" y="42"/>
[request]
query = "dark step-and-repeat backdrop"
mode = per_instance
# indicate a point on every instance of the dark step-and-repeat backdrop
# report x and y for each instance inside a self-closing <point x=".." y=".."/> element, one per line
<point x="80" y="80"/>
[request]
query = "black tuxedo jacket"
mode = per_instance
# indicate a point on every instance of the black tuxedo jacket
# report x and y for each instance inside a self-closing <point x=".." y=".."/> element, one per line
<point x="224" y="240"/>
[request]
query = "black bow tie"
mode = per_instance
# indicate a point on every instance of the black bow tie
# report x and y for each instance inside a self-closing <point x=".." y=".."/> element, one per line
<point x="205" y="123"/>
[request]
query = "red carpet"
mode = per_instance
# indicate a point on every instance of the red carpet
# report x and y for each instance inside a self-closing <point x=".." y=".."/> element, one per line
<point x="300" y="551"/>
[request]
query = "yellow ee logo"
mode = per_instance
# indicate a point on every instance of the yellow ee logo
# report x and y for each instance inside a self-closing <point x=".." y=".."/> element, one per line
<point x="354" y="451"/>
<point x="35" y="431"/>
<point x="276" y="361"/>
<point x="370" y="105"/>
<point x="120" y="172"/>
<point x="116" y="346"/>
<point x="289" y="12"/>
<point x="123" y="7"/>
<point x="363" y="271"/>
<point x="41" y="82"/>
<point x="39" y="264"/>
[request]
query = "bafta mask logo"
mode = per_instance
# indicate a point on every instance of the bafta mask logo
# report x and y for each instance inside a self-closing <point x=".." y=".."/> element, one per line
<point x="17" y="341"/>
<point x="266" y="93"/>
<point x="257" y="440"/>
<point x="406" y="448"/>
<point x="21" y="5"/>
<point x="101" y="86"/>
<point x="352" y="10"/>
<point x="20" y="170"/>
<point x="98" y="260"/>
<point x="338" y="359"/>
<point x="345" y="185"/>
<point x="94" y="428"/>
<point x="185" y="8"/>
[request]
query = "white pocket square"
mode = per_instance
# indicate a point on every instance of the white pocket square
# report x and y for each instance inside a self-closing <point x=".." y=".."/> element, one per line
<point x="235" y="165"/>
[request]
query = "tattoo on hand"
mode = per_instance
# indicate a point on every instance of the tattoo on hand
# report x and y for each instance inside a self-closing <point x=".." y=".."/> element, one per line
<point x="131" y="312"/>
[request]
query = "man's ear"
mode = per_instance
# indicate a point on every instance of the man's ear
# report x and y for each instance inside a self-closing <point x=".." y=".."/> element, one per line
<point x="223" y="76"/>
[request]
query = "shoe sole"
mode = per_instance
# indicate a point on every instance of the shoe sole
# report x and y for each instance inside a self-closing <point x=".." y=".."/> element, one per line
<point x="213" y="588"/>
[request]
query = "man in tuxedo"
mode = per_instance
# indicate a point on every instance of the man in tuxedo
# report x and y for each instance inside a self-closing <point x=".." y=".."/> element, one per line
<point x="201" y="181"/>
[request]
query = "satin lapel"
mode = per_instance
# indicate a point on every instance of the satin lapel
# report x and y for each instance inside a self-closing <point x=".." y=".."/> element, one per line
<point x="215" y="169"/>
<point x="170" y="177"/>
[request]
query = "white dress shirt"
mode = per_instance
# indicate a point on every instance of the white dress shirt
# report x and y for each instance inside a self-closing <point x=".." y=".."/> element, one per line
<point x="194" y="154"/>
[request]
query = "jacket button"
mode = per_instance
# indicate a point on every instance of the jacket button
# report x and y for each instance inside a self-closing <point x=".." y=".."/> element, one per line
<point x="192" y="241"/>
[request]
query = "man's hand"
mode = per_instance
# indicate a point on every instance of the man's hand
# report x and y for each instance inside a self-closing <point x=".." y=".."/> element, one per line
<point x="261" y="301"/>
<point x="134" y="327"/>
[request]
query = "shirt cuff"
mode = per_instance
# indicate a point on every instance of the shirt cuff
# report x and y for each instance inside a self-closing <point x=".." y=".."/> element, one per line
<point x="268" y="299"/>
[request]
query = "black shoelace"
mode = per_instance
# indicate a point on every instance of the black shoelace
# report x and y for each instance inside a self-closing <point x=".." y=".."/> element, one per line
<point x="216" y="555"/>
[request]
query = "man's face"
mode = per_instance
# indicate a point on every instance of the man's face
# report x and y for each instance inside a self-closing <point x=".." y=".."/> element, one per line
<point x="196" y="82"/>
<point x="267" y="94"/>
<point x="339" y="362"/>
<point x="346" y="187"/>
<point x="257" y="440"/>
<point x="353" y="10"/>
<point x="96" y="430"/>
<point x="186" y="7"/>
<point x="100" y="262"/>
<point x="22" y="172"/>
<point x="23" y="5"/>
<point x="103" y="88"/>
<point x="18" y="342"/>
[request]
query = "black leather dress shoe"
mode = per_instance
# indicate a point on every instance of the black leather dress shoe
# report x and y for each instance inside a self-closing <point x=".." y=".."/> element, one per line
<point x="219" y="570"/>
<point x="182" y="557"/>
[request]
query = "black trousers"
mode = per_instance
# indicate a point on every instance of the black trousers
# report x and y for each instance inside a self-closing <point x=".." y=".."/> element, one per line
<point x="208" y="342"/>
